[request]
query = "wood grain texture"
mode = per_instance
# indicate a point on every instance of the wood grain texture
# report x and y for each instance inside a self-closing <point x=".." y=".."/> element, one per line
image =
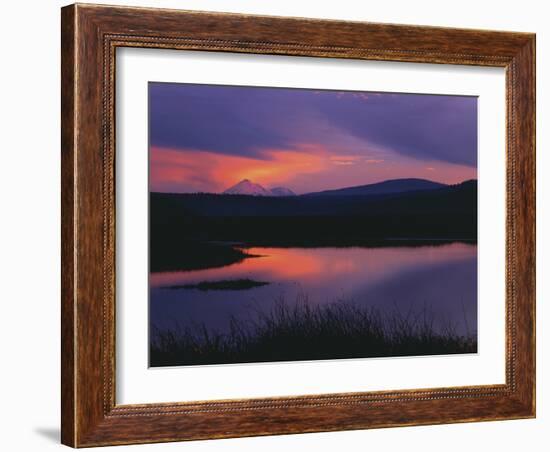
<point x="90" y="36"/>
<point x="67" y="224"/>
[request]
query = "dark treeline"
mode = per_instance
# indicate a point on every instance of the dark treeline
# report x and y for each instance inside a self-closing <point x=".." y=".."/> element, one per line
<point x="455" y="199"/>
<point x="330" y="230"/>
<point x="184" y="228"/>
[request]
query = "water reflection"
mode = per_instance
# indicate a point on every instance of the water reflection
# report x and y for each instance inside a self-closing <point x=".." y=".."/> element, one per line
<point x="408" y="279"/>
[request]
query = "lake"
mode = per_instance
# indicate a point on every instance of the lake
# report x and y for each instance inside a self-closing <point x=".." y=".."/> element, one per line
<point x="440" y="279"/>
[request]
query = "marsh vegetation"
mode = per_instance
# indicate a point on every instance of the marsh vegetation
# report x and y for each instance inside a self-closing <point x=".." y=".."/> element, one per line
<point x="302" y="330"/>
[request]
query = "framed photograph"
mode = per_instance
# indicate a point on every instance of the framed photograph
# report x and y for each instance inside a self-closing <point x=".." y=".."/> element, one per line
<point x="281" y="225"/>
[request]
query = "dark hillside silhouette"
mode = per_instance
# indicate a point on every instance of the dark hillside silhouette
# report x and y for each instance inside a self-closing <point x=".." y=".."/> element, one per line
<point x="191" y="231"/>
<point x="383" y="188"/>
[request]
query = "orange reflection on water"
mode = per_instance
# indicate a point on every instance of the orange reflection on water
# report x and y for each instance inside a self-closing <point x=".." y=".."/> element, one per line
<point x="321" y="266"/>
<point x="272" y="263"/>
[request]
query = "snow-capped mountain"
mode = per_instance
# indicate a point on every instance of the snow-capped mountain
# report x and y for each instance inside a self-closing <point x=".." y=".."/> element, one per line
<point x="247" y="187"/>
<point x="282" y="191"/>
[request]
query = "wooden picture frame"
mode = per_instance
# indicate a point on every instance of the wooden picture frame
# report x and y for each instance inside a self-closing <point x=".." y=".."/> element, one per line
<point x="90" y="36"/>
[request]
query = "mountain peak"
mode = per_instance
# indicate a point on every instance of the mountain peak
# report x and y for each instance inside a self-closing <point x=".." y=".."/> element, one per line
<point x="390" y="186"/>
<point x="282" y="191"/>
<point x="247" y="187"/>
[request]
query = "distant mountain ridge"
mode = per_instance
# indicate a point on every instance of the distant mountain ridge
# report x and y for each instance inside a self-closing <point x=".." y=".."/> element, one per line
<point x="247" y="187"/>
<point x="282" y="191"/>
<point x="448" y="213"/>
<point x="459" y="197"/>
<point x="382" y="188"/>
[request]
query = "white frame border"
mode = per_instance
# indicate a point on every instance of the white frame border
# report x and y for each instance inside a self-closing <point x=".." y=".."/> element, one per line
<point x="136" y="383"/>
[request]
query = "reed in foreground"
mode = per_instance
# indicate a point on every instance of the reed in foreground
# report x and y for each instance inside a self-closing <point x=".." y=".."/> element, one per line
<point x="305" y="331"/>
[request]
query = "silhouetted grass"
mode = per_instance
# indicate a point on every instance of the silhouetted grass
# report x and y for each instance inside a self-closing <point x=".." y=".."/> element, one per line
<point x="305" y="331"/>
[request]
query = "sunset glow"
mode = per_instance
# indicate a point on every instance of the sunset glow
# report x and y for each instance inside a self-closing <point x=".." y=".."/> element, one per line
<point x="295" y="224"/>
<point x="208" y="138"/>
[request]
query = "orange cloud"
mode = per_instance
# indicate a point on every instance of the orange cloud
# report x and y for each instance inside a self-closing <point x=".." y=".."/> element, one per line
<point x="175" y="170"/>
<point x="353" y="159"/>
<point x="345" y="159"/>
<point x="305" y="168"/>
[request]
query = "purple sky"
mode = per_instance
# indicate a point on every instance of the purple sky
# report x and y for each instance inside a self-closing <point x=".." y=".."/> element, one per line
<point x="206" y="138"/>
